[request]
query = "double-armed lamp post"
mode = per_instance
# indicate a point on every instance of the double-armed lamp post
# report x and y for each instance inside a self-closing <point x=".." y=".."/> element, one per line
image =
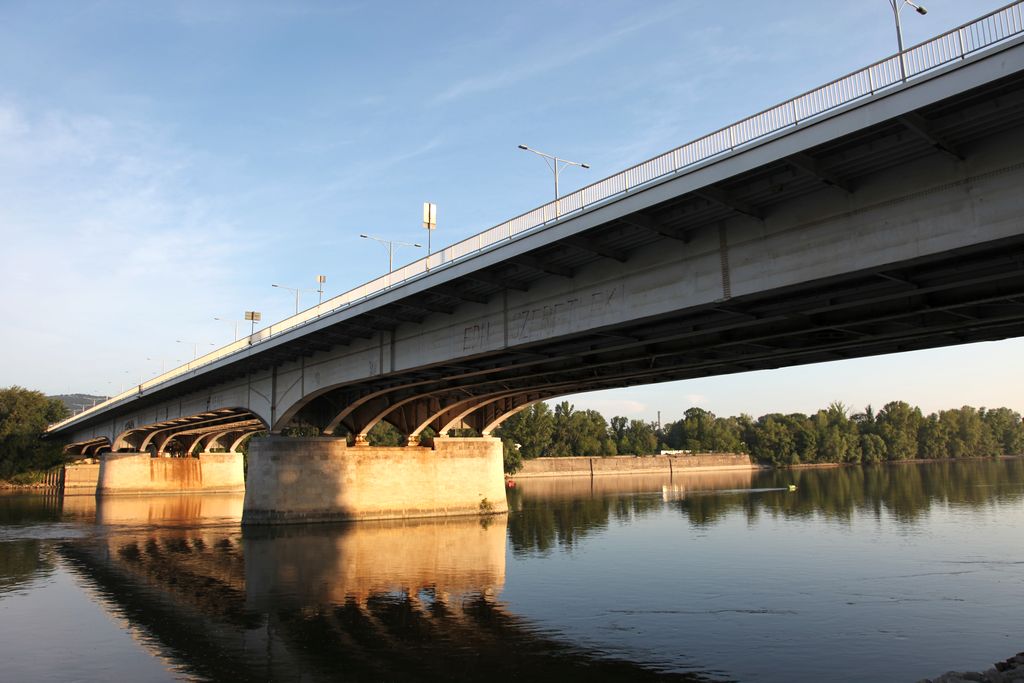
<point x="390" y="246"/>
<point x="195" y="346"/>
<point x="556" y="164"/>
<point x="300" y="290"/>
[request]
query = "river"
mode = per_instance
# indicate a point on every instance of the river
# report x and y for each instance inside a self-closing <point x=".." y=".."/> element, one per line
<point x="888" y="573"/>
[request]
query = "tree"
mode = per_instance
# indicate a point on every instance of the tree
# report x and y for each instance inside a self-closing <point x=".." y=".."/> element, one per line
<point x="898" y="424"/>
<point x="384" y="434"/>
<point x="837" y="437"/>
<point x="24" y="416"/>
<point x="639" y="439"/>
<point x="563" y="430"/>
<point x="773" y="441"/>
<point x="530" y="428"/>
<point x="1006" y="428"/>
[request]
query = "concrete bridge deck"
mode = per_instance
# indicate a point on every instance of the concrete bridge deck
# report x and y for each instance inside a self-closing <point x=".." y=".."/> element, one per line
<point x="868" y="216"/>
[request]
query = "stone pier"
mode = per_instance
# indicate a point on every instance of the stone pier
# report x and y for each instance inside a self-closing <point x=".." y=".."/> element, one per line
<point x="321" y="479"/>
<point x="141" y="473"/>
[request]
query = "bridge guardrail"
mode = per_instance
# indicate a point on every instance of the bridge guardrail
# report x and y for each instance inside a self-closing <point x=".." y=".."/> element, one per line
<point x="956" y="44"/>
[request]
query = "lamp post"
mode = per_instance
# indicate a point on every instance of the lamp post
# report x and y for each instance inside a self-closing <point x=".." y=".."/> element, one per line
<point x="897" y="7"/>
<point x="297" y="291"/>
<point x="556" y="165"/>
<point x="233" y="322"/>
<point x="390" y="246"/>
<point x="163" y="363"/>
<point x="195" y="346"/>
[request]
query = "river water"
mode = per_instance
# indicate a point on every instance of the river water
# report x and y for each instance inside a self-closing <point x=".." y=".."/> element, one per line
<point x="889" y="573"/>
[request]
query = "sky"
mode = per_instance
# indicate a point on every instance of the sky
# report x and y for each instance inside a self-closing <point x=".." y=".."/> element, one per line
<point x="163" y="164"/>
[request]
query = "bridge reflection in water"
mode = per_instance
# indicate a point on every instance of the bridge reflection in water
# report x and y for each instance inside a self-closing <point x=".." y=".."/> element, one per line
<point x="367" y="601"/>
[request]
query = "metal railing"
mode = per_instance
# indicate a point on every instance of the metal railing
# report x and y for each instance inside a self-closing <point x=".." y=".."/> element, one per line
<point x="947" y="48"/>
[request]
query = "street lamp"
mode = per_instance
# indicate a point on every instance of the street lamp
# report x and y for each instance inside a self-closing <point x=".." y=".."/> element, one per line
<point x="897" y="7"/>
<point x="195" y="346"/>
<point x="297" y="291"/>
<point x="390" y="246"/>
<point x="163" y="363"/>
<point x="556" y="165"/>
<point x="233" y="322"/>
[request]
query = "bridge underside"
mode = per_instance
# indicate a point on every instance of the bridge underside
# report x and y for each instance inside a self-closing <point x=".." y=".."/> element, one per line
<point x="894" y="176"/>
<point x="971" y="296"/>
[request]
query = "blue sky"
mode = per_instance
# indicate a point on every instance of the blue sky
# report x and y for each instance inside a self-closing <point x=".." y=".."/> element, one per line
<point x="163" y="164"/>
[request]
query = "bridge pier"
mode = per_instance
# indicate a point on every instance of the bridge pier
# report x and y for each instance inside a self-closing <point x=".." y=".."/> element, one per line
<point x="142" y="473"/>
<point x="323" y="479"/>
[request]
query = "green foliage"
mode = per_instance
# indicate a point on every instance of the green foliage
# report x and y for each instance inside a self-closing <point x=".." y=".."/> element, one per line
<point x="513" y="459"/>
<point x="898" y="425"/>
<point x="832" y="435"/>
<point x="701" y="432"/>
<point x="579" y="433"/>
<point x="384" y="434"/>
<point x="531" y="428"/>
<point x="637" y="438"/>
<point x="24" y="416"/>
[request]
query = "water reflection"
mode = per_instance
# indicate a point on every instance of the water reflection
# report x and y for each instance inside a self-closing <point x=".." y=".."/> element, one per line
<point x="378" y="601"/>
<point x="441" y="600"/>
<point x="22" y="562"/>
<point x="559" y="512"/>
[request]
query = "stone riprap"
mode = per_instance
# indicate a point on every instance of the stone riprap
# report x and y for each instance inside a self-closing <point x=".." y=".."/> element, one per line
<point x="1007" y="671"/>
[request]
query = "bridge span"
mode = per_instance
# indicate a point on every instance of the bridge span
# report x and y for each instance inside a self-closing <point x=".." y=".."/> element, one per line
<point x="872" y="215"/>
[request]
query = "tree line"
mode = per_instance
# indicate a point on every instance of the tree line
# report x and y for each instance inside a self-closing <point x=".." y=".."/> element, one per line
<point x="24" y="416"/>
<point x="834" y="434"/>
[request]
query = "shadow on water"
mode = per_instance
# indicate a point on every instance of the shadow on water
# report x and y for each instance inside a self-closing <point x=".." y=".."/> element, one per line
<point x="559" y="512"/>
<point x="367" y="601"/>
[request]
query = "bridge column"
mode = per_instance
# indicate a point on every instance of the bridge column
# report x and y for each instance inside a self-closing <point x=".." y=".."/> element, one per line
<point x="140" y="473"/>
<point x="322" y="479"/>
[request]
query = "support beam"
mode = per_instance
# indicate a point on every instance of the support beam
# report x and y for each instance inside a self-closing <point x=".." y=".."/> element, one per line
<point x="808" y="164"/>
<point x="458" y="294"/>
<point x="535" y="263"/>
<point x="491" y="279"/>
<point x="586" y="244"/>
<point x="924" y="129"/>
<point x="723" y="198"/>
<point x="650" y="224"/>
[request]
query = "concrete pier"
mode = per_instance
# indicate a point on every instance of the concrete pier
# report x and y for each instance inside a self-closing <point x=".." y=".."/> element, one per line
<point x="121" y="473"/>
<point x="81" y="479"/>
<point x="321" y="479"/>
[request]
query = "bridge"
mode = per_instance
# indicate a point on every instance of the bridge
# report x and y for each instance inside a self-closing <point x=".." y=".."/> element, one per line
<point x="879" y="213"/>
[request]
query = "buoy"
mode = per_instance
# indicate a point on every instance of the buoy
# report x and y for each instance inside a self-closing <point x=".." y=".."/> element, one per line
<point x="509" y="483"/>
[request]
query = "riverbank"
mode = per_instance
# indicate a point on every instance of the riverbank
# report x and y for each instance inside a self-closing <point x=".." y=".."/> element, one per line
<point x="911" y="461"/>
<point x="36" y="480"/>
<point x="1007" y="671"/>
<point x="576" y="466"/>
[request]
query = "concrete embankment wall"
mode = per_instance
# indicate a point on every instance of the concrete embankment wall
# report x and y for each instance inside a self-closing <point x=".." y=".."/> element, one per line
<point x="140" y="473"/>
<point x="81" y="479"/>
<point x="626" y="464"/>
<point x="320" y="479"/>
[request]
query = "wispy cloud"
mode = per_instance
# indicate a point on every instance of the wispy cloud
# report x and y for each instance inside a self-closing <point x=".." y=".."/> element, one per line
<point x="98" y="213"/>
<point x="555" y="52"/>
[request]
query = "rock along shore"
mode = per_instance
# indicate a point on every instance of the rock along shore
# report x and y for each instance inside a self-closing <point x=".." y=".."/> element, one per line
<point x="1007" y="671"/>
